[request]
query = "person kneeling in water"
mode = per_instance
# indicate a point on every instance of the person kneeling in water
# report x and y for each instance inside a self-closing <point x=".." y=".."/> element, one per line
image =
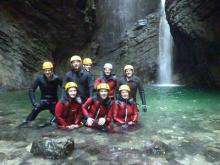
<point x="68" y="111"/>
<point x="126" y="113"/>
<point x="98" y="109"/>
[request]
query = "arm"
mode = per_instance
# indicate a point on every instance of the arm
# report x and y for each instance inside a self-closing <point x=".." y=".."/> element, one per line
<point x="115" y="114"/>
<point x="135" y="111"/>
<point x="63" y="92"/>
<point x="141" y="91"/>
<point x="59" y="109"/>
<point x="119" y="82"/>
<point x="79" y="114"/>
<point x="32" y="90"/>
<point x="110" y="114"/>
<point x="85" y="107"/>
<point x="90" y="85"/>
<point x="96" y="83"/>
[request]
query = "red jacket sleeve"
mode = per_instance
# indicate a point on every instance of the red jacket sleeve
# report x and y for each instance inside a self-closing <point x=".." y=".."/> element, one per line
<point x="79" y="114"/>
<point x="97" y="82"/>
<point x="115" y="114"/>
<point x="110" y="114"/>
<point x="59" y="110"/>
<point x="135" y="111"/>
<point x="85" y="106"/>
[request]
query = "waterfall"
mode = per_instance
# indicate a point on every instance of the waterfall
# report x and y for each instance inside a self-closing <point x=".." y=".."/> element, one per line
<point x="165" y="48"/>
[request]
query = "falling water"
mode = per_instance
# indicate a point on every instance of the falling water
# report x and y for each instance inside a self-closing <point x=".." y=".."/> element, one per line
<point x="165" y="49"/>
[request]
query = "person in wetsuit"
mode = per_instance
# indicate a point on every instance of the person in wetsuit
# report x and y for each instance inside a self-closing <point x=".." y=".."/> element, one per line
<point x="87" y="64"/>
<point x="98" y="110"/>
<point x="48" y="83"/>
<point x="134" y="83"/>
<point x="79" y="76"/>
<point x="109" y="78"/>
<point x="68" y="112"/>
<point x="126" y="112"/>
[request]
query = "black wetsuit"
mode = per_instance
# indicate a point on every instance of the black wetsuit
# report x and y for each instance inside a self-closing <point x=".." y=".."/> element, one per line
<point x="48" y="97"/>
<point x="83" y="80"/>
<point x="135" y="84"/>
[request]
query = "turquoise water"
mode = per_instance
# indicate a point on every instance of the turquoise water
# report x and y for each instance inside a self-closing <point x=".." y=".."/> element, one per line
<point x="185" y="119"/>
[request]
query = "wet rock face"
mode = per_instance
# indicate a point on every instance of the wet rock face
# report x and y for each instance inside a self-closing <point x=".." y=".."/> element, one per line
<point x="53" y="148"/>
<point x="34" y="31"/>
<point x="139" y="47"/>
<point x="195" y="27"/>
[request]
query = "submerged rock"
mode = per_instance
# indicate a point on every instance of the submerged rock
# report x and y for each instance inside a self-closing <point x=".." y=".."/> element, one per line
<point x="53" y="148"/>
<point x="212" y="153"/>
<point x="158" y="148"/>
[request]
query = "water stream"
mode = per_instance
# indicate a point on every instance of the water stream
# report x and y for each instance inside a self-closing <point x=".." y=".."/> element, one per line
<point x="165" y="48"/>
<point x="187" y="120"/>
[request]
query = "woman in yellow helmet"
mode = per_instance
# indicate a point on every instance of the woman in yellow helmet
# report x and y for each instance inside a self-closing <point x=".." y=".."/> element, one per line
<point x="126" y="112"/>
<point x="68" y="112"/>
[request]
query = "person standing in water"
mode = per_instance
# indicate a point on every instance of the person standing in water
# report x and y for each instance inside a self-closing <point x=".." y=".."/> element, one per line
<point x="134" y="83"/>
<point x="109" y="78"/>
<point x="80" y="76"/>
<point x="98" y="110"/>
<point x="126" y="113"/>
<point x="48" y="83"/>
<point x="68" y="112"/>
<point x="87" y="64"/>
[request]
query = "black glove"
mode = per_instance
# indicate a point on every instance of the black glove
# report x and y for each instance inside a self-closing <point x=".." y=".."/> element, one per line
<point x="144" y="108"/>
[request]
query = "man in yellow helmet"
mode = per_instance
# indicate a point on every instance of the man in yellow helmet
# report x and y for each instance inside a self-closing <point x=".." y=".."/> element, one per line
<point x="134" y="83"/>
<point x="48" y="83"/>
<point x="87" y="64"/>
<point x="80" y="76"/>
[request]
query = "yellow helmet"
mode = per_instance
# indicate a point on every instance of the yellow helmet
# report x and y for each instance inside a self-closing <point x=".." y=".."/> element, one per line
<point x="87" y="61"/>
<point x="70" y="85"/>
<point x="124" y="87"/>
<point x="103" y="86"/>
<point x="75" y="58"/>
<point x="128" y="67"/>
<point x="47" y="65"/>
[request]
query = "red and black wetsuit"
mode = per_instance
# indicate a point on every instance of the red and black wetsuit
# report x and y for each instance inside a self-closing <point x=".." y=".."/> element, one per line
<point x="125" y="111"/>
<point x="95" y="108"/>
<point x="111" y="81"/>
<point x="68" y="113"/>
<point x="135" y="84"/>
<point x="48" y="100"/>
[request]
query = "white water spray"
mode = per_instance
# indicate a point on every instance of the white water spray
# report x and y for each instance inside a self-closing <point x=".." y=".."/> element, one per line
<point x="165" y="49"/>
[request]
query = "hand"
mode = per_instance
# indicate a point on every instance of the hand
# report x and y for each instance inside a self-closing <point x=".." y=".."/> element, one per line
<point x="36" y="105"/>
<point x="125" y="125"/>
<point x="144" y="108"/>
<point x="131" y="123"/>
<point x="101" y="121"/>
<point x="89" y="121"/>
<point x="75" y="125"/>
<point x="70" y="127"/>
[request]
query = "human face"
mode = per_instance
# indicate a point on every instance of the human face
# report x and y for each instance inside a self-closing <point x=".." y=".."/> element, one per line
<point x="103" y="93"/>
<point x="87" y="67"/>
<point x="48" y="73"/>
<point x="125" y="94"/>
<point x="72" y="92"/>
<point x="129" y="73"/>
<point x="76" y="64"/>
<point x="107" y="71"/>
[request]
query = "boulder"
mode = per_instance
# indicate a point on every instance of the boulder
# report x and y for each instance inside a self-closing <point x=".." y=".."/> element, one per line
<point x="53" y="148"/>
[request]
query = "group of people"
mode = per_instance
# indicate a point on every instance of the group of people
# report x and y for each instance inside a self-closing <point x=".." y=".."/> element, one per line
<point x="84" y="102"/>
